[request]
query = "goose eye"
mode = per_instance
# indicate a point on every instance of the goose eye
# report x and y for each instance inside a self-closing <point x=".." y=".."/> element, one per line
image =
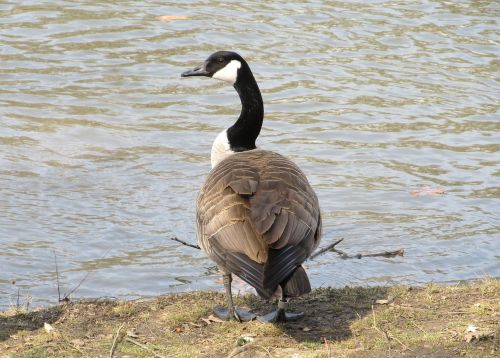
<point x="220" y="60"/>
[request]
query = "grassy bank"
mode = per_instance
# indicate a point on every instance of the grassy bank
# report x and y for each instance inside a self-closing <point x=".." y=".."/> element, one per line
<point x="434" y="321"/>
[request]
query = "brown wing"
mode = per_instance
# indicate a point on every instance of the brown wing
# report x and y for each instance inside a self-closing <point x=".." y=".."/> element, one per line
<point x="258" y="217"/>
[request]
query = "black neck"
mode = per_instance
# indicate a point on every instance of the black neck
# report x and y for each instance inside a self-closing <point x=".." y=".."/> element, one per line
<point x="244" y="132"/>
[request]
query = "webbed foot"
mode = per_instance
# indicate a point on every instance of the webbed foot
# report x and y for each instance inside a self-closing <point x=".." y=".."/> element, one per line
<point x="238" y="314"/>
<point x="280" y="316"/>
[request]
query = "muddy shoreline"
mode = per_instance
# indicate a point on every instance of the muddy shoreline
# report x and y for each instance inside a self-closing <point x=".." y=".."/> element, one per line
<point x="433" y="321"/>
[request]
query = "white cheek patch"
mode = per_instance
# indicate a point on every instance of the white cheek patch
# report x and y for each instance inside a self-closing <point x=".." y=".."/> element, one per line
<point x="228" y="73"/>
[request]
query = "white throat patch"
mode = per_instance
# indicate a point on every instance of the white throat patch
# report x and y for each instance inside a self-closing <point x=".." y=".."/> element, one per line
<point x="228" y="73"/>
<point x="220" y="149"/>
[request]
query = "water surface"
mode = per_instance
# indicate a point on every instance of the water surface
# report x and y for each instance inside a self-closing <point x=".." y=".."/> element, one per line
<point x="103" y="146"/>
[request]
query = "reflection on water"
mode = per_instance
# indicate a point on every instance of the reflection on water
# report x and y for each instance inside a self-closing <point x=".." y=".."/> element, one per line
<point x="103" y="146"/>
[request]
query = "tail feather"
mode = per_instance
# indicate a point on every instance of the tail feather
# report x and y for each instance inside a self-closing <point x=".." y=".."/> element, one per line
<point x="298" y="284"/>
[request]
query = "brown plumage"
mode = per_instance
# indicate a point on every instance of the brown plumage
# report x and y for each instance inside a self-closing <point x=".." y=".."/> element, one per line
<point x="258" y="217"/>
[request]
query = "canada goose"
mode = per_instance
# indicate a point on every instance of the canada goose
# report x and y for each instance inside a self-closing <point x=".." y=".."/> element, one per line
<point x="257" y="215"/>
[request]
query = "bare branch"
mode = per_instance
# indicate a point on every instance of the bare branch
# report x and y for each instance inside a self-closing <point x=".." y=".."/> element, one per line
<point x="185" y="243"/>
<point x="325" y="249"/>
<point x="331" y="247"/>
<point x="345" y="256"/>
<point x="398" y="252"/>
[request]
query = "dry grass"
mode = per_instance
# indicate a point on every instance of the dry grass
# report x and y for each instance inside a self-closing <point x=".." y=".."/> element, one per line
<point x="348" y="322"/>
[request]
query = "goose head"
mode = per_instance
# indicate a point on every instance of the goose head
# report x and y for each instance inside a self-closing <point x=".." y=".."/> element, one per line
<point x="222" y="65"/>
<point x="241" y="136"/>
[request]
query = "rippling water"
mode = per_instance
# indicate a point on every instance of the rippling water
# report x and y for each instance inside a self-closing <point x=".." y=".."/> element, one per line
<point x="103" y="146"/>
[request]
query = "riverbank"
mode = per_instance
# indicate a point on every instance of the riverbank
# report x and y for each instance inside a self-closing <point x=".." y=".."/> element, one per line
<point x="433" y="321"/>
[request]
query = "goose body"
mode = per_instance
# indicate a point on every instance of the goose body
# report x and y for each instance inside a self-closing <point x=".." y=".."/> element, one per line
<point x="258" y="218"/>
<point x="257" y="215"/>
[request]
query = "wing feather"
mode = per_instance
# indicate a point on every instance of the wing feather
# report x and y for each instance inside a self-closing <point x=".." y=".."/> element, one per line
<point x="258" y="217"/>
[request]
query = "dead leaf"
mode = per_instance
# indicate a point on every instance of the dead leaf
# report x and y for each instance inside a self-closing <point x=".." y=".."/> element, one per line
<point x="215" y="319"/>
<point x="206" y="320"/>
<point x="306" y="329"/>
<point x="169" y="18"/>
<point x="48" y="327"/>
<point x="479" y="336"/>
<point x="471" y="328"/>
<point x="211" y="319"/>
<point x="428" y="191"/>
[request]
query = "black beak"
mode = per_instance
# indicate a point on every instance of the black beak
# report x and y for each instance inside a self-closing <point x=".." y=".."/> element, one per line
<point x="199" y="70"/>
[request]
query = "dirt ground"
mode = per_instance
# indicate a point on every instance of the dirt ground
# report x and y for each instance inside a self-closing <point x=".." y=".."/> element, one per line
<point x="435" y="321"/>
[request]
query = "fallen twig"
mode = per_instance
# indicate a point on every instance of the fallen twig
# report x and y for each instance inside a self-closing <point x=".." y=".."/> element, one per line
<point x="405" y="347"/>
<point x="388" y="335"/>
<point x="345" y="256"/>
<point x="185" y="243"/>
<point x="383" y="332"/>
<point x="113" y="346"/>
<point x="133" y="341"/>
<point x="398" y="252"/>
<point x="325" y="249"/>
<point x="331" y="247"/>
